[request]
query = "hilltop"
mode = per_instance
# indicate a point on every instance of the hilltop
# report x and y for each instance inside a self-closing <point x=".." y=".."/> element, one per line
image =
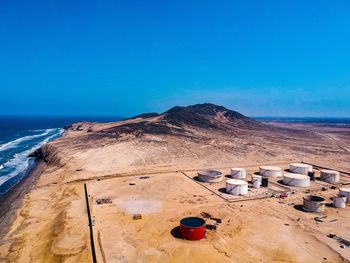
<point x="176" y="121"/>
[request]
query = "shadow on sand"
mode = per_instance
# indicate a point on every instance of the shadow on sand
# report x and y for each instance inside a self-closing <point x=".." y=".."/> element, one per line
<point x="222" y="190"/>
<point x="299" y="208"/>
<point x="175" y="232"/>
<point x="281" y="182"/>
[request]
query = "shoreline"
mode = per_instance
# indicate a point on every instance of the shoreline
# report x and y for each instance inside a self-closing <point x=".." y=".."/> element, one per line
<point x="11" y="201"/>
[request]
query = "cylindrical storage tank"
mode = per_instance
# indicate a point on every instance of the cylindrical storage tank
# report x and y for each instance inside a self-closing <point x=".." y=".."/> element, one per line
<point x="256" y="181"/>
<point x="298" y="180"/>
<point x="236" y="187"/>
<point x="314" y="203"/>
<point x="264" y="181"/>
<point x="311" y="175"/>
<point x="270" y="171"/>
<point x="192" y="228"/>
<point x="209" y="176"/>
<point x="238" y="173"/>
<point x="345" y="192"/>
<point x="339" y="201"/>
<point x="300" y="168"/>
<point x="330" y="176"/>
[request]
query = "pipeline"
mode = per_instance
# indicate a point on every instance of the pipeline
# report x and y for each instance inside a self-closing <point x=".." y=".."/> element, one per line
<point x="322" y="167"/>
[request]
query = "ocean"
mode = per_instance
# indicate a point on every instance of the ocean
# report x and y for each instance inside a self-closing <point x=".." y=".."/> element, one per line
<point x="20" y="136"/>
<point x="319" y="120"/>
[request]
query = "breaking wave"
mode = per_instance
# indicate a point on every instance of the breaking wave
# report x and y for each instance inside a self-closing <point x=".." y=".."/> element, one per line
<point x="20" y="161"/>
<point x="14" y="143"/>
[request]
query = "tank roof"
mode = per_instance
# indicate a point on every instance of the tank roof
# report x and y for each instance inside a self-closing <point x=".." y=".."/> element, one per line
<point x="210" y="173"/>
<point x="275" y="168"/>
<point x="236" y="181"/>
<point x="192" y="222"/>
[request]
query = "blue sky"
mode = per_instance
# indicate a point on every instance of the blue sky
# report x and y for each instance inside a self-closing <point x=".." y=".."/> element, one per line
<point x="262" y="58"/>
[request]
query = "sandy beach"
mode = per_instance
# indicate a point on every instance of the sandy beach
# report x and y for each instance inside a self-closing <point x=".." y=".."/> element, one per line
<point x="11" y="201"/>
<point x="148" y="166"/>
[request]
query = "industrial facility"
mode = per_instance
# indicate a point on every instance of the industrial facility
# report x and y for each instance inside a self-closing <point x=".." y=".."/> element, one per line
<point x="313" y="190"/>
<point x="247" y="183"/>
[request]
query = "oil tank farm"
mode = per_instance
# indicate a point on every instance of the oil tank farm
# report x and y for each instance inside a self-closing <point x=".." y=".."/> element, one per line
<point x="209" y="176"/>
<point x="270" y="171"/>
<point x="345" y="192"/>
<point x="238" y="173"/>
<point x="236" y="187"/>
<point x="330" y="176"/>
<point x="339" y="201"/>
<point x="298" y="180"/>
<point x="314" y="203"/>
<point x="300" y="168"/>
<point x="256" y="181"/>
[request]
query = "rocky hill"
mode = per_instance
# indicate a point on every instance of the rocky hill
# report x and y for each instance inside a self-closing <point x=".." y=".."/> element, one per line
<point x="195" y="123"/>
<point x="205" y="133"/>
<point x="182" y="121"/>
<point x="208" y="115"/>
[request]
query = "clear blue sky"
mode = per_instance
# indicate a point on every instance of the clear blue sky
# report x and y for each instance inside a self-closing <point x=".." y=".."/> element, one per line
<point x="262" y="58"/>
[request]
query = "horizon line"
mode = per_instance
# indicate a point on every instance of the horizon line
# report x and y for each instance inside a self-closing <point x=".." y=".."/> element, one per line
<point x="124" y="117"/>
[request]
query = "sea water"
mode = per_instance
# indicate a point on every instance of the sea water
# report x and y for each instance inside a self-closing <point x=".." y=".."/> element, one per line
<point x="319" y="120"/>
<point x="20" y="136"/>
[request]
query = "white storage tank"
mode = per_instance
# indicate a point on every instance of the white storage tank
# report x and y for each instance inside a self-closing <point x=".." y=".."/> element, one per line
<point x="256" y="181"/>
<point x="345" y="192"/>
<point x="209" y="176"/>
<point x="236" y="187"/>
<point x="238" y="173"/>
<point x="339" y="201"/>
<point x="300" y="168"/>
<point x="330" y="176"/>
<point x="299" y="180"/>
<point x="270" y="171"/>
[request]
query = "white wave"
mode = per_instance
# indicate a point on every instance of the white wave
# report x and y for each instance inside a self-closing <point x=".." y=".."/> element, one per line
<point x="1" y="167"/>
<point x="14" y="143"/>
<point x="20" y="161"/>
<point x="42" y="130"/>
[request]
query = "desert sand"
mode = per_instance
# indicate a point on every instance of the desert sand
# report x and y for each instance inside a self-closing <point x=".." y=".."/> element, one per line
<point x="50" y="223"/>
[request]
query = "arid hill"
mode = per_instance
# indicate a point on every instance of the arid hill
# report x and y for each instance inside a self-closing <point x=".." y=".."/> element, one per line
<point x="176" y="121"/>
<point x="187" y="132"/>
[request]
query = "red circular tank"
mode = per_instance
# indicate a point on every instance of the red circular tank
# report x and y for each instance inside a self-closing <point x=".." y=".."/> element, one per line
<point x="192" y="228"/>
